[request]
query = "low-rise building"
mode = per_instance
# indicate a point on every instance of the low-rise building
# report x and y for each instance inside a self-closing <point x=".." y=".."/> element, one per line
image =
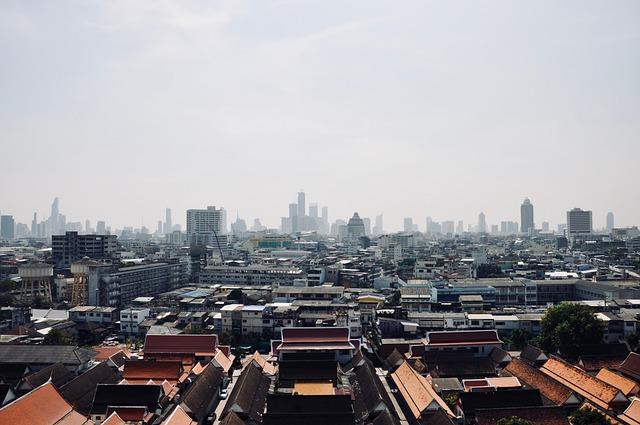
<point x="131" y="318"/>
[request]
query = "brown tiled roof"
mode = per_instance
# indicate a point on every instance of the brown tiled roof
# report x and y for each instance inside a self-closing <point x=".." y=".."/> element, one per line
<point x="42" y="406"/>
<point x="552" y="415"/>
<point x="632" y="413"/>
<point x="631" y="366"/>
<point x="417" y="391"/>
<point x="267" y="367"/>
<point x="137" y="370"/>
<point x="179" y="417"/>
<point x="204" y="389"/>
<point x="79" y="392"/>
<point x="180" y="344"/>
<point x="592" y="389"/>
<point x="462" y="337"/>
<point x="549" y="388"/>
<point x="595" y="363"/>
<point x="370" y="395"/>
<point x="103" y="352"/>
<point x="232" y="418"/>
<point x="625" y="385"/>
<point x="223" y="361"/>
<point x="249" y="394"/>
<point x="57" y="373"/>
<point x="315" y="335"/>
<point x="113" y="419"/>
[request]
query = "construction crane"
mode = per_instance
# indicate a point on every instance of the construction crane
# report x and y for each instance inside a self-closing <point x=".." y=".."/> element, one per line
<point x="217" y="241"/>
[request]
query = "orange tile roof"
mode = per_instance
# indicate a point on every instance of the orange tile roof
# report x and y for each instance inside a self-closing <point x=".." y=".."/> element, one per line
<point x="625" y="385"/>
<point x="104" y="352"/>
<point x="548" y="387"/>
<point x="223" y="361"/>
<point x="113" y="419"/>
<point x="267" y="367"/>
<point x="417" y="392"/>
<point x="42" y="406"/>
<point x="632" y="414"/>
<point x="179" y="417"/>
<point x="597" y="392"/>
<point x="145" y="370"/>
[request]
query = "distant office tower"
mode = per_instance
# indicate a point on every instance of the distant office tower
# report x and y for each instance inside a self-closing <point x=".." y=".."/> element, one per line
<point x="460" y="227"/>
<point x="355" y="226"/>
<point x="482" y="223"/>
<point x="494" y="229"/>
<point x="223" y="225"/>
<point x="378" y="228"/>
<point x="301" y="205"/>
<point x="448" y="227"/>
<point x="159" y="228"/>
<point x="579" y="221"/>
<point x="101" y="228"/>
<point x="526" y="216"/>
<point x="562" y="228"/>
<point x="168" y="223"/>
<point x="313" y="210"/>
<point x="203" y="225"/>
<point x="325" y="220"/>
<point x="545" y="227"/>
<point x="428" y="228"/>
<point x="408" y="224"/>
<point x="34" y="225"/>
<point x="7" y="227"/>
<point x="87" y="226"/>
<point x="55" y="207"/>
<point x="610" y="222"/>
<point x="367" y="226"/>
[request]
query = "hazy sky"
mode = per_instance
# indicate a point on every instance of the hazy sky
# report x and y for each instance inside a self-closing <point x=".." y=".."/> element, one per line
<point x="446" y="109"/>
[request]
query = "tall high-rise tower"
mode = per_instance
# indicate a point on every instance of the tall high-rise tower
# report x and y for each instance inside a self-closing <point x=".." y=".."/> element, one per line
<point x="526" y="216"/>
<point x="204" y="225"/>
<point x="168" y="225"/>
<point x="610" y="221"/>
<point x="482" y="223"/>
<point x="302" y="210"/>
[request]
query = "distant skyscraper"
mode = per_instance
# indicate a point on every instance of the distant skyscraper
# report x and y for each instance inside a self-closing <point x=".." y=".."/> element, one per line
<point x="482" y="223"/>
<point x="202" y="223"/>
<point x="579" y="221"/>
<point x="610" y="222"/>
<point x="159" y="229"/>
<point x="87" y="226"/>
<point x="526" y="216"/>
<point x="313" y="210"/>
<point x="448" y="227"/>
<point x="7" y="227"/>
<point x="101" y="228"/>
<point x="301" y="204"/>
<point x="379" y="227"/>
<point x="168" y="224"/>
<point x="355" y="226"/>
<point x="408" y="224"/>
<point x="55" y="207"/>
<point x="367" y="225"/>
<point x="34" y="225"/>
<point x="494" y="229"/>
<point x="545" y="227"/>
<point x="325" y="220"/>
<point x="460" y="227"/>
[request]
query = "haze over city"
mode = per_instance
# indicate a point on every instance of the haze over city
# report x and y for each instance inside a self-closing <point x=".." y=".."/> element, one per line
<point x="415" y="109"/>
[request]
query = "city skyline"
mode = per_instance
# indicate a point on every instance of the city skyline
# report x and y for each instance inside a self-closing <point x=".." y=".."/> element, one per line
<point x="421" y="109"/>
<point x="181" y="223"/>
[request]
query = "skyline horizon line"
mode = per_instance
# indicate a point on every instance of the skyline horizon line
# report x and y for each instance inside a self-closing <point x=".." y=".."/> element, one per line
<point x="249" y="220"/>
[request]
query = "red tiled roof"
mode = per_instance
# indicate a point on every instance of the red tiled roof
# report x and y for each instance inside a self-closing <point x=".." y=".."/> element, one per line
<point x="625" y="385"/>
<point x="631" y="366"/>
<point x="315" y="335"/>
<point x="178" y="417"/>
<point x="632" y="414"/>
<point x="42" y="406"/>
<point x="129" y="413"/>
<point x="113" y="419"/>
<point x="160" y="370"/>
<point x="548" y="387"/>
<point x="180" y="344"/>
<point x="594" y="390"/>
<point x="462" y="337"/>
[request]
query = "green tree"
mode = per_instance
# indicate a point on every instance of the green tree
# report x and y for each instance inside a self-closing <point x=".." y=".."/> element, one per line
<point x="59" y="337"/>
<point x="225" y="338"/>
<point x="520" y="338"/>
<point x="567" y="328"/>
<point x="633" y="340"/>
<point x="488" y="270"/>
<point x="514" y="420"/>
<point x="451" y="400"/>
<point x="588" y="416"/>
<point x="6" y="300"/>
